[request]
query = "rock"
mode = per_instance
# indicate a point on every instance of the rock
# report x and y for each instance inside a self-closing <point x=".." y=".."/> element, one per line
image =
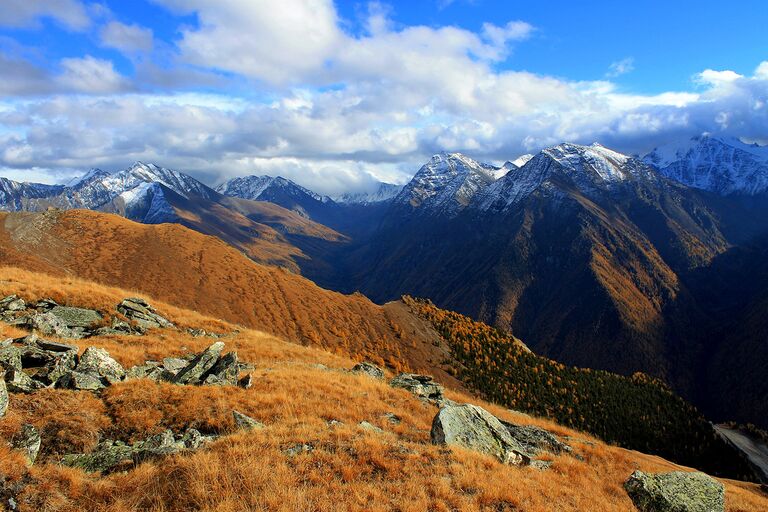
<point x="76" y="317"/>
<point x="535" y="439"/>
<point x="45" y="305"/>
<point x="244" y="422"/>
<point x="224" y="372"/>
<point x="54" y="346"/>
<point x="160" y="445"/>
<point x="299" y="448"/>
<point x="473" y="427"/>
<point x="12" y="303"/>
<point x="79" y="381"/>
<point x="19" y="382"/>
<point x="370" y="427"/>
<point x="174" y="364"/>
<point x="10" y="358"/>
<point x="675" y="492"/>
<point x="49" y="324"/>
<point x="541" y="465"/>
<point x="192" y="439"/>
<point x="107" y="456"/>
<point x="63" y="364"/>
<point x="3" y="398"/>
<point x="28" y="442"/>
<point x="150" y="371"/>
<point x="368" y="369"/>
<point x="420" y="385"/>
<point x="394" y="419"/>
<point x="246" y="382"/>
<point x="139" y="311"/>
<point x="97" y="362"/>
<point x="203" y="362"/>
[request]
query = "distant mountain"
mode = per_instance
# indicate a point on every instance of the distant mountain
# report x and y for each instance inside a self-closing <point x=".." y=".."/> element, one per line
<point x="280" y="191"/>
<point x="15" y="195"/>
<point x="723" y="166"/>
<point x="383" y="192"/>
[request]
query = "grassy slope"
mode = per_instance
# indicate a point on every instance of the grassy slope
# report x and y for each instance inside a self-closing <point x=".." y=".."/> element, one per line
<point x="350" y="469"/>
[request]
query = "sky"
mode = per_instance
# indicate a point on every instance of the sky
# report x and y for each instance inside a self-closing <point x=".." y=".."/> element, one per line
<point x="337" y="95"/>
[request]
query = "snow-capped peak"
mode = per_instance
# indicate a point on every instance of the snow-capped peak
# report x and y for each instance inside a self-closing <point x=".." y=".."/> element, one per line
<point x="382" y="192"/>
<point x="721" y="165"/>
<point x="448" y="181"/>
<point x="521" y="160"/>
<point x="91" y="175"/>
<point x="252" y="187"/>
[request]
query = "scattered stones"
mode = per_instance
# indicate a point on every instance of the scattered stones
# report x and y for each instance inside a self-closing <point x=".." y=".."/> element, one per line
<point x="98" y="363"/>
<point x="28" y="442"/>
<point x="423" y="386"/>
<point x="675" y="492"/>
<point x="244" y="422"/>
<point x="197" y="368"/>
<point x="369" y="369"/>
<point x="472" y="427"/>
<point x="3" y="398"/>
<point x="139" y="311"/>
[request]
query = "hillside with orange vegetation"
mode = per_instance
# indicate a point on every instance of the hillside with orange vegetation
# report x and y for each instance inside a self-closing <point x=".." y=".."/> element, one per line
<point x="202" y="273"/>
<point x="305" y="397"/>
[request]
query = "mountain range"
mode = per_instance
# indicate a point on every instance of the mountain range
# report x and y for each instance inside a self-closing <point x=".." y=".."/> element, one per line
<point x="592" y="257"/>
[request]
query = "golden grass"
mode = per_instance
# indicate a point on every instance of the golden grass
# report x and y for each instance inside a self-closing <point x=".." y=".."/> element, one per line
<point x="349" y="468"/>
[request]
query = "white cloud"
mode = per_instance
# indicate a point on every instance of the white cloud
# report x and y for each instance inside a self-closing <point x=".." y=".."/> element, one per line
<point x="24" y="13"/>
<point x="621" y="67"/>
<point x="126" y="38"/>
<point x="90" y="75"/>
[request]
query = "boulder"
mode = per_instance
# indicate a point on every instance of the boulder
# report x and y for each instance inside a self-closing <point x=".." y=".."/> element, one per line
<point x="10" y="358"/>
<point x="676" y="491"/>
<point x="76" y="317"/>
<point x="79" y="381"/>
<point x="535" y="439"/>
<point x="53" y="346"/>
<point x="104" y="458"/>
<point x="472" y="427"/>
<point x="159" y="445"/>
<point x="12" y="303"/>
<point x="28" y="442"/>
<point x="97" y="362"/>
<point x="50" y="325"/>
<point x="368" y="369"/>
<point x="203" y="362"/>
<point x="139" y="311"/>
<point x="370" y="427"/>
<point x="420" y="385"/>
<point x="174" y="364"/>
<point x="151" y="371"/>
<point x="19" y="382"/>
<point x="63" y="364"/>
<point x="45" y="304"/>
<point x="244" y="422"/>
<point x="3" y="398"/>
<point x="224" y="372"/>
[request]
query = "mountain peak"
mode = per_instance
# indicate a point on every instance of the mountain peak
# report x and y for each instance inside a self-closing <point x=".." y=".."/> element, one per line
<point x="724" y="165"/>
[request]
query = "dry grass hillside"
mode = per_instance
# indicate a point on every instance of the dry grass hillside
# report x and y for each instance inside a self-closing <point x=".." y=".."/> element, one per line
<point x="202" y="273"/>
<point x="349" y="468"/>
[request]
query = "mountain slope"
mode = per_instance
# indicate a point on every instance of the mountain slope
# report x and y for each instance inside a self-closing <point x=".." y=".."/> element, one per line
<point x="300" y="460"/>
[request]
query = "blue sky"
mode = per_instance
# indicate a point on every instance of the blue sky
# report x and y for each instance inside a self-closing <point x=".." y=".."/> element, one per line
<point x="337" y="94"/>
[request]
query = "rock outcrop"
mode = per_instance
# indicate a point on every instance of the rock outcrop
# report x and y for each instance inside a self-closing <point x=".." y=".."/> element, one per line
<point x="472" y="427"/>
<point x="423" y="386"/>
<point x="244" y="422"/>
<point x="675" y="492"/>
<point x="139" y="311"/>
<point x="535" y="439"/>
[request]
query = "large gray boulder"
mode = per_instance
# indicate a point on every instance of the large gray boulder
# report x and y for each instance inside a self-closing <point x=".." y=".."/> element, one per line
<point x="3" y="398"/>
<point x="98" y="363"/>
<point x="19" y="382"/>
<point x="79" y="381"/>
<point x="244" y="422"/>
<point x="472" y="427"/>
<point x="12" y="303"/>
<point x="10" y="357"/>
<point x="420" y="385"/>
<point x="28" y="442"/>
<point x="224" y="372"/>
<point x="203" y="362"/>
<point x="50" y="325"/>
<point x="675" y="492"/>
<point x="142" y="313"/>
<point x="76" y="317"/>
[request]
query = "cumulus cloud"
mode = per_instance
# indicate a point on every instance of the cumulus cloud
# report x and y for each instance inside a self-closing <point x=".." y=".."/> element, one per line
<point x="25" y="13"/>
<point x="126" y="38"/>
<point x="90" y="75"/>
